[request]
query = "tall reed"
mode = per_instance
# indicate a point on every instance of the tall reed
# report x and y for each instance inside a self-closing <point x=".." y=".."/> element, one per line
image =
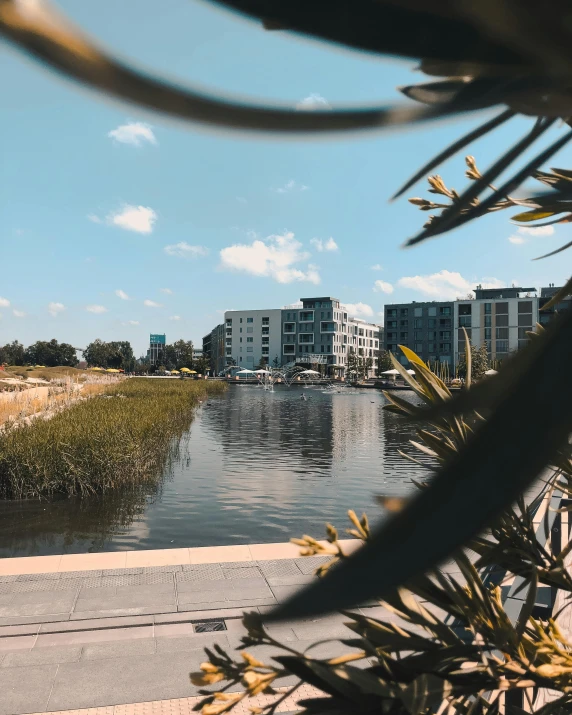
<point x="120" y="438"/>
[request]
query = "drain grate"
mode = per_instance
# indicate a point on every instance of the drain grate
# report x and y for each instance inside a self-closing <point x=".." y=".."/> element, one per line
<point x="208" y="626"/>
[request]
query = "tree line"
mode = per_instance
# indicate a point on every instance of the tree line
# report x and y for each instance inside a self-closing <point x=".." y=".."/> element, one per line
<point x="100" y="353"/>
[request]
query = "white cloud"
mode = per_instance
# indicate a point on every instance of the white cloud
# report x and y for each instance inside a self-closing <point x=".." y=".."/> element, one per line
<point x="134" y="133"/>
<point x="538" y="231"/>
<point x="19" y="313"/>
<point x="55" y="308"/>
<point x="273" y="258"/>
<point x="152" y="304"/>
<point x="359" y="310"/>
<point x="174" y="317"/>
<point x="96" y="309"/>
<point x="382" y="287"/>
<point x="517" y="240"/>
<point x="94" y="218"/>
<point x="320" y="246"/>
<point x="445" y="285"/>
<point x="184" y="250"/>
<point x="376" y="267"/>
<point x="121" y="294"/>
<point x="134" y="218"/>
<point x="313" y="101"/>
<point x="290" y="186"/>
<point x="131" y="322"/>
<point x="168" y="291"/>
<point x="4" y="303"/>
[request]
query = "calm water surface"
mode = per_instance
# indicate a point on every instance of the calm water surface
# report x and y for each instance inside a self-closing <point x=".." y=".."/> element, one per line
<point x="255" y="466"/>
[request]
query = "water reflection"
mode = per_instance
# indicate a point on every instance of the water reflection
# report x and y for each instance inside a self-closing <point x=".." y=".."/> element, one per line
<point x="255" y="466"/>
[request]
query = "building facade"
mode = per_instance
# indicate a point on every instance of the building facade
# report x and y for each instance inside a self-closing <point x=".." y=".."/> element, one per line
<point x="213" y="349"/>
<point x="498" y="318"/>
<point x="157" y="344"/>
<point x="320" y="331"/>
<point x="425" y="328"/>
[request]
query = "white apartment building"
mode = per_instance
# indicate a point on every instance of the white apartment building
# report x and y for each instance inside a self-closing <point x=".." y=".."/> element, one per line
<point x="498" y="318"/>
<point x="251" y="335"/>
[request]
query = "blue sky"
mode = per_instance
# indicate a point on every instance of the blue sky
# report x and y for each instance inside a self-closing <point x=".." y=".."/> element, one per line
<point x="115" y="222"/>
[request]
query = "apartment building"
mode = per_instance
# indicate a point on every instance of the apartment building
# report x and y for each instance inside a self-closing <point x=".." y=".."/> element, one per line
<point x="213" y="349"/>
<point x="498" y="318"/>
<point x="251" y="335"/>
<point x="320" y="331"/>
<point x="426" y="328"/>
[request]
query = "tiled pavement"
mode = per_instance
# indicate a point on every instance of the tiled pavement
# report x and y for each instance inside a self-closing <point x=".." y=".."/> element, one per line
<point x="110" y="637"/>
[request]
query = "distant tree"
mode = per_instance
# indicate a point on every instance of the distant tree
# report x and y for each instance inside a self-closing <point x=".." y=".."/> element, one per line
<point x="353" y="365"/>
<point x="183" y="353"/>
<point x="202" y="365"/>
<point x="276" y="362"/>
<point x="365" y="366"/>
<point x="263" y="364"/>
<point x="383" y="362"/>
<point x="115" y="354"/>
<point x="480" y="362"/>
<point x="51" y="354"/>
<point x="12" y="353"/>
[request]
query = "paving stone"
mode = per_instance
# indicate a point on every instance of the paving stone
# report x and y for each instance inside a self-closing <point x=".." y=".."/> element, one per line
<point x="202" y="606"/>
<point x="147" y="589"/>
<point x="133" y="580"/>
<point x="309" y="564"/>
<point x="247" y="603"/>
<point x="280" y="567"/>
<point x="100" y="592"/>
<point x="283" y="593"/>
<point x="44" y="597"/>
<point x="200" y="572"/>
<point x="7" y="598"/>
<point x="91" y="582"/>
<point x="23" y="630"/>
<point x="96" y="624"/>
<point x="241" y="573"/>
<point x="17" y="643"/>
<point x="37" y="609"/>
<point x="159" y="577"/>
<point x="300" y="580"/>
<point x="122" y="572"/>
<point x="45" y="640"/>
<point x="8" y="578"/>
<point x="187" y="616"/>
<point x="237" y="564"/>
<point x="81" y="574"/>
<point x="162" y="569"/>
<point x="125" y="600"/>
<point x="122" y="612"/>
<point x="118" y="649"/>
<point x="241" y="589"/>
<point x="39" y="577"/>
<point x="197" y="642"/>
<point x="21" y="620"/>
<point x="201" y="585"/>
<point x="29" y="586"/>
<point x="199" y="596"/>
<point x="41" y="656"/>
<point x="123" y="680"/>
<point x="31" y="699"/>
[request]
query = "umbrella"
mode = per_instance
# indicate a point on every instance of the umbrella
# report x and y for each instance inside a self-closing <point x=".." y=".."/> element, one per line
<point x="174" y="372"/>
<point x="491" y="372"/>
<point x="245" y="371"/>
<point x="262" y="372"/>
<point x="411" y="372"/>
<point x="185" y="369"/>
<point x="96" y="368"/>
<point x="390" y="372"/>
<point x="192" y="372"/>
<point x="111" y="369"/>
<point x="309" y="372"/>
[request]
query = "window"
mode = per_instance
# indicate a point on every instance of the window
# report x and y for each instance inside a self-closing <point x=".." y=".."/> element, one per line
<point x="403" y="312"/>
<point x="445" y="335"/>
<point x="250" y="320"/>
<point x="229" y="342"/>
<point x="501" y="308"/>
<point x="487" y="321"/>
<point x="289" y="327"/>
<point x="391" y="313"/>
<point x="522" y="344"/>
<point x="240" y="339"/>
<point x="417" y="312"/>
<point x="241" y="330"/>
<point x="249" y="350"/>
<point x="502" y="346"/>
<point x="464" y="321"/>
<point x="445" y="310"/>
<point x="306" y="338"/>
<point x="326" y="327"/>
<point x="501" y="333"/>
<point x="418" y="348"/>
<point x="321" y="348"/>
<point x="432" y="322"/>
<point x="418" y="323"/>
<point x="241" y="320"/>
<point x="465" y="309"/>
<point x="306" y="315"/>
<point x="265" y="331"/>
<point x="488" y="333"/>
<point x="229" y="351"/>
<point x="525" y="306"/>
<point x="403" y="323"/>
<point x="487" y="308"/>
<point x="265" y="321"/>
<point x="502" y="321"/>
<point x="402" y="336"/>
<point x="249" y="340"/>
<point x="265" y="350"/>
<point x="228" y="322"/>
<point x="249" y="330"/>
<point x="289" y="349"/>
<point x="525" y="320"/>
<point x="432" y="347"/>
<point x="431" y="335"/>
<point x="445" y="347"/>
<point x="432" y="312"/>
<point x="418" y="335"/>
<point x="522" y="334"/>
<point x="391" y="336"/>
<point x="444" y="322"/>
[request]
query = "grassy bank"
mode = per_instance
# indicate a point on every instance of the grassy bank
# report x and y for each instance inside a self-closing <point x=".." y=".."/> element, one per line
<point x="116" y="439"/>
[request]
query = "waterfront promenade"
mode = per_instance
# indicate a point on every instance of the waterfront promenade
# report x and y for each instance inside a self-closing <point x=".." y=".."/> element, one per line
<point x="122" y="631"/>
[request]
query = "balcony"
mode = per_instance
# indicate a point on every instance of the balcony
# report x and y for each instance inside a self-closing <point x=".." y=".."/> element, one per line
<point x="327" y="327"/>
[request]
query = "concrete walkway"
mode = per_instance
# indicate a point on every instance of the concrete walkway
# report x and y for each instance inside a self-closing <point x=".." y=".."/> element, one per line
<point x="100" y="638"/>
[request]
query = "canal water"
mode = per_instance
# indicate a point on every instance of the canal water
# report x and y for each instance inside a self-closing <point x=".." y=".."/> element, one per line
<point x="255" y="466"/>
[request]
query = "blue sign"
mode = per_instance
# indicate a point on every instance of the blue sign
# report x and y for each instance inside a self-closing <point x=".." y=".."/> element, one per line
<point x="161" y="339"/>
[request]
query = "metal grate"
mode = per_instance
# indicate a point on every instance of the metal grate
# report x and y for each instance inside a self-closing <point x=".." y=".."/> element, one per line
<point x="208" y="626"/>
